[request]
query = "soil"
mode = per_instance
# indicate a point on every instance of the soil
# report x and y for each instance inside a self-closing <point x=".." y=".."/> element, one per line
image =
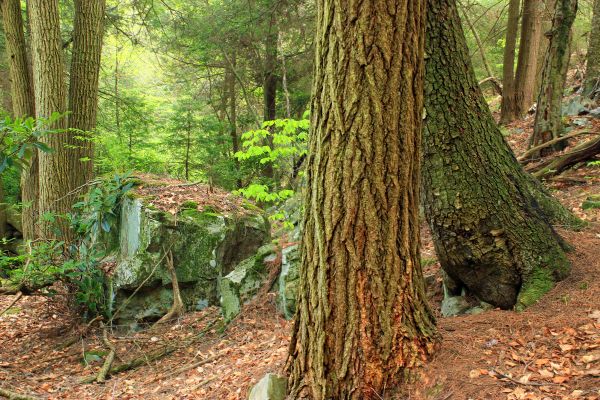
<point x="549" y="351"/>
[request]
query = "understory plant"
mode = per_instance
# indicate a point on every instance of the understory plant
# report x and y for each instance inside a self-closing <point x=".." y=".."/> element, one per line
<point x="78" y="263"/>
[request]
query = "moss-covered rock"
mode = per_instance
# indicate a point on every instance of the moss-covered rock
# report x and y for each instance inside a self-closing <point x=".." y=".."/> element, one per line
<point x="241" y="284"/>
<point x="206" y="245"/>
<point x="289" y="280"/>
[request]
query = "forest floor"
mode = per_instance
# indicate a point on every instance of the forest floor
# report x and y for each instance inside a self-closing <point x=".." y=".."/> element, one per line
<point x="549" y="351"/>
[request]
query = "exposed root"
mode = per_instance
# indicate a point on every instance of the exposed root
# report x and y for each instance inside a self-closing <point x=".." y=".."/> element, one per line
<point x="15" y="396"/>
<point x="101" y="377"/>
<point x="177" y="308"/>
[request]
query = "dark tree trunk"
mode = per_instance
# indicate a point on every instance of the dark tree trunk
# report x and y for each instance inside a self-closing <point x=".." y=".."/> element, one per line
<point x="270" y="83"/>
<point x="363" y="320"/>
<point x="83" y="87"/>
<point x="592" y="70"/>
<point x="531" y="36"/>
<point x="548" y="118"/>
<point x="508" y="110"/>
<point x="22" y="106"/>
<point x="486" y="214"/>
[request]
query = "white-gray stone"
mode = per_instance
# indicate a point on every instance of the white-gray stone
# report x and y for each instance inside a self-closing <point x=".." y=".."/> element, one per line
<point x="270" y="387"/>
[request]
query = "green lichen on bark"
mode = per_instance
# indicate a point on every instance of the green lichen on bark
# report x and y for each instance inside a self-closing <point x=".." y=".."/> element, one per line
<point x="490" y="221"/>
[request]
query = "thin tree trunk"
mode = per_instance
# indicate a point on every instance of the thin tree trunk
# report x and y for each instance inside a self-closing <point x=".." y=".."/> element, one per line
<point x="508" y="110"/>
<point x="188" y="144"/>
<point x="83" y="87"/>
<point x="481" y="49"/>
<point x="270" y="84"/>
<point x="231" y="95"/>
<point x="489" y="229"/>
<point x="50" y="97"/>
<point x="547" y="11"/>
<point x="548" y="118"/>
<point x="592" y="70"/>
<point x="22" y="105"/>
<point x="531" y="35"/>
<point x="363" y="320"/>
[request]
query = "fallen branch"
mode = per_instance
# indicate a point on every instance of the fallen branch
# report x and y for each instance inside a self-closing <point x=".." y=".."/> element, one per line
<point x="137" y="362"/>
<point x="583" y="152"/>
<point x="525" y="158"/>
<point x="15" y="396"/>
<point x="495" y="83"/>
<point x="17" y="298"/>
<point x="101" y="377"/>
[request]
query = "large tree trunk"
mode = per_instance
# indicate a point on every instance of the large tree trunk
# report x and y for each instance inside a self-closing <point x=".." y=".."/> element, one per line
<point x="362" y="319"/>
<point x="489" y="229"/>
<point x="531" y="35"/>
<point x="50" y="97"/>
<point x="22" y="105"/>
<point x="508" y="110"/>
<point x="83" y="88"/>
<point x="592" y="70"/>
<point x="548" y="118"/>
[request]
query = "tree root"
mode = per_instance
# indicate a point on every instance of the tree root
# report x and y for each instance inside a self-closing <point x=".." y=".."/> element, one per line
<point x="583" y="152"/>
<point x="15" y="396"/>
<point x="177" y="308"/>
<point x="101" y="377"/>
<point x="137" y="362"/>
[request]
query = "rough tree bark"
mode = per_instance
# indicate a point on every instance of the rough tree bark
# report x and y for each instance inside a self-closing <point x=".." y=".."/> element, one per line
<point x="548" y="118"/>
<point x="490" y="221"/>
<point x="83" y="88"/>
<point x="508" y="110"/>
<point x="50" y="97"/>
<point x="362" y="320"/>
<point x="531" y="35"/>
<point x="22" y="105"/>
<point x="592" y="70"/>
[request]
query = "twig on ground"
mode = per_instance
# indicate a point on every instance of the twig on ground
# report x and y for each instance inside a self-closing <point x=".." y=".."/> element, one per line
<point x="12" y="303"/>
<point x="501" y="375"/>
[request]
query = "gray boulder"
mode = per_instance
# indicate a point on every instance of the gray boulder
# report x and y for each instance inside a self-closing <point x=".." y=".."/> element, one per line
<point x="289" y="280"/>
<point x="270" y="387"/>
<point x="206" y="245"/>
<point x="241" y="284"/>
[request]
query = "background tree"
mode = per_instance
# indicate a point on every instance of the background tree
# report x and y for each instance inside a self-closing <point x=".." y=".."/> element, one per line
<point x="531" y="35"/>
<point x="83" y="84"/>
<point x="490" y="232"/>
<point x="22" y="105"/>
<point x="508" y="107"/>
<point x="548" y="118"/>
<point x="592" y="70"/>
<point x="363" y="319"/>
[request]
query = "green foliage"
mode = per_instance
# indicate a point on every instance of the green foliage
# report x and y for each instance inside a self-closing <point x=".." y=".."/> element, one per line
<point x="79" y="266"/>
<point x="19" y="138"/>
<point x="280" y="144"/>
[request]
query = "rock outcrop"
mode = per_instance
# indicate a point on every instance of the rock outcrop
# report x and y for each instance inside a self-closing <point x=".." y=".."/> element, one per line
<point x="206" y="245"/>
